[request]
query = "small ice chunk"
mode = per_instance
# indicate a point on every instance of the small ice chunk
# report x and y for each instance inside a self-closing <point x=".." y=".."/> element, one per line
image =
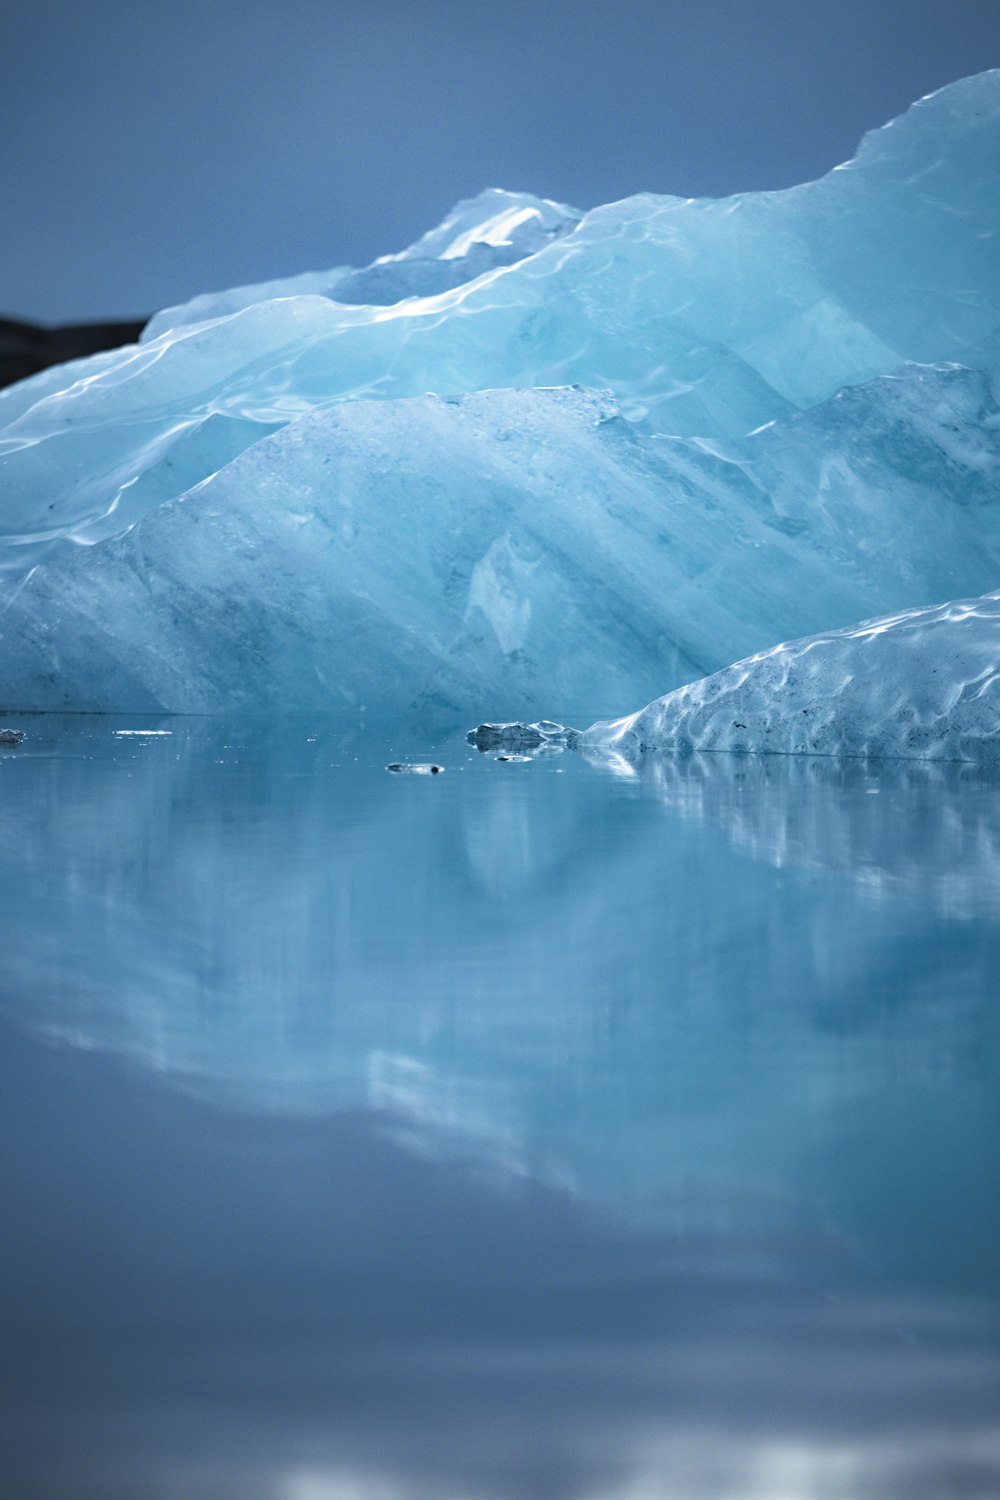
<point x="518" y="737"/>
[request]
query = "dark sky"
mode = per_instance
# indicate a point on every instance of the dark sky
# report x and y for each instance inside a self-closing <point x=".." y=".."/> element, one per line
<point x="154" y="150"/>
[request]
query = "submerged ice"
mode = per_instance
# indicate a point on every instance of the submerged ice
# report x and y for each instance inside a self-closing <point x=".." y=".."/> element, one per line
<point x="666" y="433"/>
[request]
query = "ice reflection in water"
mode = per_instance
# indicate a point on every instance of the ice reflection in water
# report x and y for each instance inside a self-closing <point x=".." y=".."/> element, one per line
<point x="529" y="1130"/>
<point x="933" y="834"/>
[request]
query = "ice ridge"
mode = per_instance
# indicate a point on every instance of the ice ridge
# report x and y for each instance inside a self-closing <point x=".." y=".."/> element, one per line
<point x="705" y="317"/>
<point x="496" y="228"/>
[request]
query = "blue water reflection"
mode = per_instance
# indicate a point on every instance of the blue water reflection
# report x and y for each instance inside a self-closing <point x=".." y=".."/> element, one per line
<point x="539" y="1129"/>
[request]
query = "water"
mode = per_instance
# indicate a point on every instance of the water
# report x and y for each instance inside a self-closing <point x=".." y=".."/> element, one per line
<point x="538" y="1129"/>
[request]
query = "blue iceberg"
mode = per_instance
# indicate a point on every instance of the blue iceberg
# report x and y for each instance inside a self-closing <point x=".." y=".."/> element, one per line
<point x="661" y="436"/>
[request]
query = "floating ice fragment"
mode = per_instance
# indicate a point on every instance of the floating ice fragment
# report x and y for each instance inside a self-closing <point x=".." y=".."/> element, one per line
<point x="516" y="737"/>
<point x="923" y="684"/>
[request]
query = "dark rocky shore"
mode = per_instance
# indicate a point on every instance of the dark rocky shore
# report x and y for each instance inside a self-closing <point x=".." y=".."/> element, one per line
<point x="26" y="348"/>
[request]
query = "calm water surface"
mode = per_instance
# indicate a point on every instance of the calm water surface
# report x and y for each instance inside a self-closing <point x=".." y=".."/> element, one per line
<point x="536" y="1130"/>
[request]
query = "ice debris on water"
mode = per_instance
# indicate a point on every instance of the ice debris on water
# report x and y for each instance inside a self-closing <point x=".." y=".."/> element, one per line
<point x="11" y="737"/>
<point x="518" y="737"/>
<point x="666" y="433"/>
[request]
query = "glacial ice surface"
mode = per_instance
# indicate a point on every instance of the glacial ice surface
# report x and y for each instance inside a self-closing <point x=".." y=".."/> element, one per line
<point x="923" y="684"/>
<point x="525" y="550"/>
<point x="788" y="424"/>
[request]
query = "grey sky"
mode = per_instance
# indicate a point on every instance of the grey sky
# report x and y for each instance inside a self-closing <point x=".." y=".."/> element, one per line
<point x="154" y="151"/>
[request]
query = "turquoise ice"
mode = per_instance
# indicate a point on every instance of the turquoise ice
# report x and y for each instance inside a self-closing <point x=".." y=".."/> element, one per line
<point x="662" y="436"/>
<point x="526" y="552"/>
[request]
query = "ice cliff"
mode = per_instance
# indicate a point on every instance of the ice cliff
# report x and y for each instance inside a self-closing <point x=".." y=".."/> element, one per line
<point x="665" y="434"/>
<point x="528" y="549"/>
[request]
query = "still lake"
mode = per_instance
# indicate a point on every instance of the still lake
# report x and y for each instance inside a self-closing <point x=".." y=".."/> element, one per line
<point x="542" y="1130"/>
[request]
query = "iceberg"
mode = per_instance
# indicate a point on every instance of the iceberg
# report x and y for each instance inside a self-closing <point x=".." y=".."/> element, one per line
<point x="923" y="684"/>
<point x="661" y="435"/>
<point x="530" y="549"/>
